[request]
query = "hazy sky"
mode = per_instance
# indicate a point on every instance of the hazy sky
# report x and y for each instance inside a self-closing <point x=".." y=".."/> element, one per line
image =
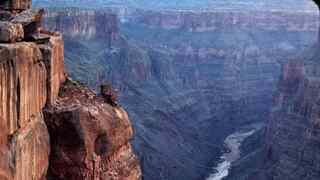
<point x="192" y="4"/>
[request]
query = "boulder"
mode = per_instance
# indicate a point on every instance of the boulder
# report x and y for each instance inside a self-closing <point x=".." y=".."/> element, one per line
<point x="10" y="32"/>
<point x="30" y="20"/>
<point x="109" y="95"/>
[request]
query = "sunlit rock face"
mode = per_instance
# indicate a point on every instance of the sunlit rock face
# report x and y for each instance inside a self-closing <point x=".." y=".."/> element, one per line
<point x="23" y="95"/>
<point x="89" y="138"/>
<point x="86" y="24"/>
<point x="31" y="77"/>
<point x="24" y="89"/>
<point x="188" y="81"/>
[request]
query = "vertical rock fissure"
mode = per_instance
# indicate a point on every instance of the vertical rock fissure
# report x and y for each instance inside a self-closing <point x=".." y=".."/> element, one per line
<point x="18" y="94"/>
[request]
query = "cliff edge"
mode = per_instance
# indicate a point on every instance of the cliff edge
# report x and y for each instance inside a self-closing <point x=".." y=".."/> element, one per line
<point x="52" y="127"/>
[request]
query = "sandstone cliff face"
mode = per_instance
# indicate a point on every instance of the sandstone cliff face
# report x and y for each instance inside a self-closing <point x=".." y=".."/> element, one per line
<point x="53" y="54"/>
<point x="89" y="138"/>
<point x="87" y="24"/>
<point x="25" y="140"/>
<point x="31" y="75"/>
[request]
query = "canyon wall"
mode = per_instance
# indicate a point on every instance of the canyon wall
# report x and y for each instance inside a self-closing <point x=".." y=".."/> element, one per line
<point x="197" y="21"/>
<point x="29" y="81"/>
<point x="292" y="142"/>
<point x="87" y="24"/>
<point x="291" y="145"/>
<point x="187" y="86"/>
<point x="52" y="127"/>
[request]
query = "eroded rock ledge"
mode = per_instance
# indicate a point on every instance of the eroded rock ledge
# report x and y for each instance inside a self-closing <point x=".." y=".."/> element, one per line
<point x="87" y="138"/>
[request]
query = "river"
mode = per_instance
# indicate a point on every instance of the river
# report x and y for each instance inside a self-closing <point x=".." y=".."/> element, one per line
<point x="233" y="144"/>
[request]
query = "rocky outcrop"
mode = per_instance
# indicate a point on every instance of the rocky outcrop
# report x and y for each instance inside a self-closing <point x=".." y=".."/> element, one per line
<point x="53" y="54"/>
<point x="25" y="140"/>
<point x="85" y="24"/>
<point x="11" y="32"/>
<point x="292" y="142"/>
<point x="31" y="75"/>
<point x="89" y="139"/>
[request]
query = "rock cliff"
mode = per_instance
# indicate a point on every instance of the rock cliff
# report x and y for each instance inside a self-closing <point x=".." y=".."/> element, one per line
<point x="292" y="143"/>
<point x="189" y="88"/>
<point x="89" y="138"/>
<point x="35" y="99"/>
<point x="291" y="147"/>
<point x="87" y="24"/>
<point x="197" y="21"/>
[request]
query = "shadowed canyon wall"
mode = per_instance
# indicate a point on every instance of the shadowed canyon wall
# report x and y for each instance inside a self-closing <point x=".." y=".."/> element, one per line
<point x="292" y="145"/>
<point x="186" y="80"/>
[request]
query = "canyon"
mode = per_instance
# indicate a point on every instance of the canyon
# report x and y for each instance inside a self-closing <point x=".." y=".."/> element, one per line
<point x="230" y="93"/>
<point x="233" y="143"/>
<point x="293" y="126"/>
<point x="188" y="79"/>
<point x="52" y="126"/>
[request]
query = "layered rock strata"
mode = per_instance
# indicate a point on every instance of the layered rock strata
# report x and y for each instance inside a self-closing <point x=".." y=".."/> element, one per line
<point x="25" y="139"/>
<point x="197" y="21"/>
<point x="84" y="24"/>
<point x="292" y="143"/>
<point x="185" y="89"/>
<point x="31" y="74"/>
<point x="89" y="138"/>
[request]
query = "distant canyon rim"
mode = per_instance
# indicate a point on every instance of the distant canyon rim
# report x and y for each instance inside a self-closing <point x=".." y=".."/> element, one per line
<point x="188" y="79"/>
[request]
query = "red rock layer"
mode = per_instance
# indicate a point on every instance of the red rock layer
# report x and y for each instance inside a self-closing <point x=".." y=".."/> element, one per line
<point x="54" y="61"/>
<point x="85" y="24"/>
<point x="24" y="137"/>
<point x="23" y="80"/>
<point x="89" y="138"/>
